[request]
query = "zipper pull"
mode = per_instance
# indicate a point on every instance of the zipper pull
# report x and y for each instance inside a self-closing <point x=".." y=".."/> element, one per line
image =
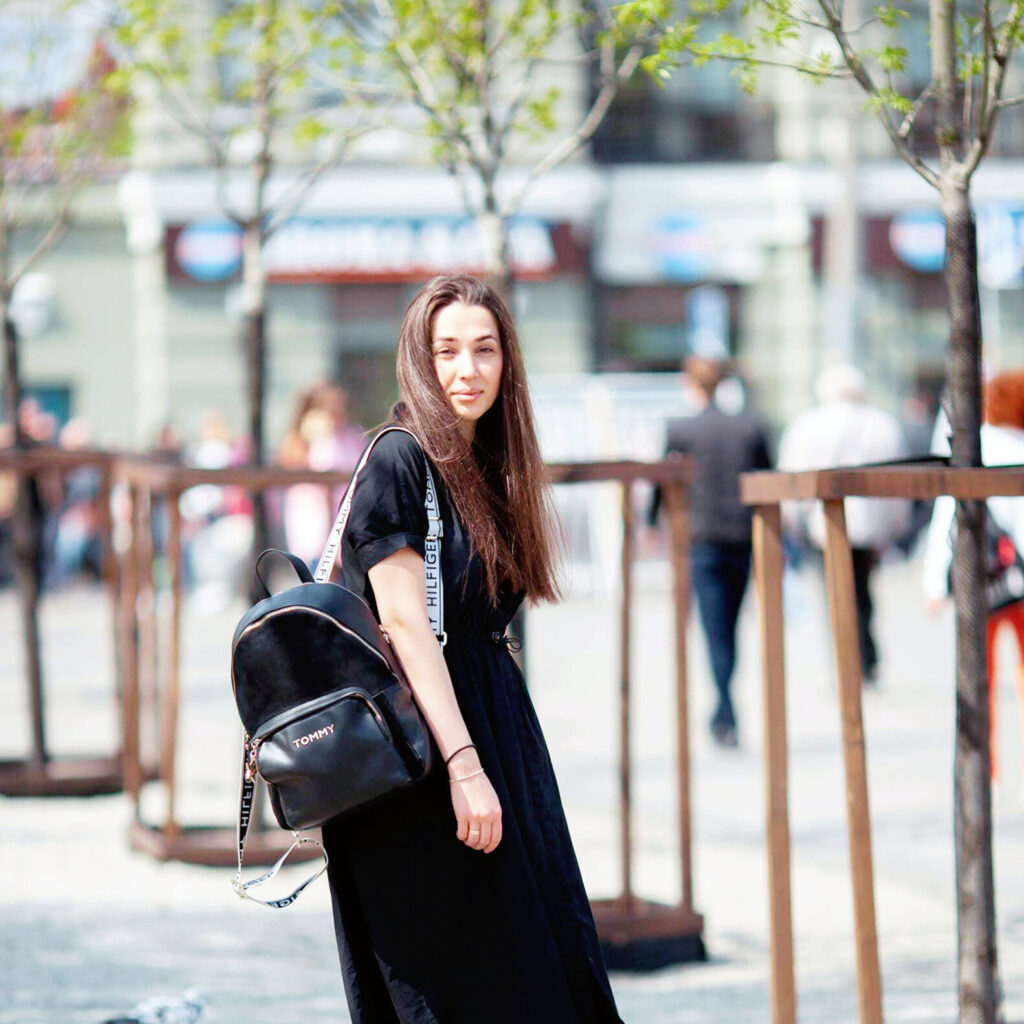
<point x="250" y="762"/>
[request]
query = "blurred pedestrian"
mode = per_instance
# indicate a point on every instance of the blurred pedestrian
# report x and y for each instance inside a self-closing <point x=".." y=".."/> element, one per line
<point x="217" y="520"/>
<point x="1002" y="444"/>
<point x="42" y="490"/>
<point x="844" y="430"/>
<point x="78" y="545"/>
<point x="320" y="438"/>
<point x="8" y="495"/>
<point x="167" y="446"/>
<point x="918" y="425"/>
<point x="723" y="445"/>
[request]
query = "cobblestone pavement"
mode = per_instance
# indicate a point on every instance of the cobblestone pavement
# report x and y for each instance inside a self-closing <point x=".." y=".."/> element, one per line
<point x="88" y="928"/>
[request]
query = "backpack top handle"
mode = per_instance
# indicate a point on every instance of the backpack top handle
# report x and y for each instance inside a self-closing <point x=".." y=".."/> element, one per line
<point x="300" y="567"/>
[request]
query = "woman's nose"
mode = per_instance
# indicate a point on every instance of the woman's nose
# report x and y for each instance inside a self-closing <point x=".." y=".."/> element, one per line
<point x="466" y="365"/>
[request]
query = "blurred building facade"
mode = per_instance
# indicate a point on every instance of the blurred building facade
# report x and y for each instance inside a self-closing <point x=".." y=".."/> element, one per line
<point x="778" y="227"/>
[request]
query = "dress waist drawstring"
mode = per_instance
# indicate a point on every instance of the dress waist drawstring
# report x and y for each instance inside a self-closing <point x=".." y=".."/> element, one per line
<point x="512" y="643"/>
<point x="495" y="637"/>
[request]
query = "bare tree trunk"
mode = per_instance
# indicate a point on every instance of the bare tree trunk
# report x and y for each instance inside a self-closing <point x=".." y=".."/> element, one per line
<point x="28" y="545"/>
<point x="255" y="343"/>
<point x="497" y="257"/>
<point x="972" y="796"/>
<point x="979" y="998"/>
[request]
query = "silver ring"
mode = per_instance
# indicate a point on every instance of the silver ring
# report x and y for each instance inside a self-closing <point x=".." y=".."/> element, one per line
<point x="474" y="831"/>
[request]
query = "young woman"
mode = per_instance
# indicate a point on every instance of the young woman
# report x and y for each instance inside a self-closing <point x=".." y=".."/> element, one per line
<point x="460" y="901"/>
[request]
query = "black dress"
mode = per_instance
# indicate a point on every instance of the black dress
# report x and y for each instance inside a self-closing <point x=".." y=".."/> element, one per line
<point x="430" y="931"/>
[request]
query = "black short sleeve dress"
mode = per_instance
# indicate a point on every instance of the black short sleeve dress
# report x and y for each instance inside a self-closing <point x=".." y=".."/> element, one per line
<point x="430" y="931"/>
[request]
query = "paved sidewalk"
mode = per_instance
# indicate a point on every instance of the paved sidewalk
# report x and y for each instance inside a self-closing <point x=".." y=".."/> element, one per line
<point x="89" y="928"/>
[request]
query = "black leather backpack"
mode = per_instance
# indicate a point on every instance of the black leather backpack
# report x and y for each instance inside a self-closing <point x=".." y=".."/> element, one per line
<point x="330" y="722"/>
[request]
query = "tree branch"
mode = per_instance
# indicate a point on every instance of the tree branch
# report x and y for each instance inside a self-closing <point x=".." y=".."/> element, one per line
<point x="908" y="122"/>
<point x="522" y="91"/>
<point x="987" y="50"/>
<point x="1000" y="59"/>
<point x="46" y="244"/>
<point x="586" y="128"/>
<point x="863" y="78"/>
<point x="805" y="18"/>
<point x="423" y="91"/>
<point x="289" y="203"/>
<point x="805" y="67"/>
<point x="968" y="104"/>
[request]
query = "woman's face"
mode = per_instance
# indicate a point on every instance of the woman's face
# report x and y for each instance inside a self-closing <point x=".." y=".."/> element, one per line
<point x="467" y="360"/>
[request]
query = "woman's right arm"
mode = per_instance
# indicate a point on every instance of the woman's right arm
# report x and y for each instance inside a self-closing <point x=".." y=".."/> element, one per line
<point x="399" y="586"/>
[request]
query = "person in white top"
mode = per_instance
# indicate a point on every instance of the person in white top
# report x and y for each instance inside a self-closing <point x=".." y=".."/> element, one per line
<point x="844" y="430"/>
<point x="1002" y="444"/>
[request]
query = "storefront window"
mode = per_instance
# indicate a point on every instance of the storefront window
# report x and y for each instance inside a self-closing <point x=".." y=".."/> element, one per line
<point x="652" y="328"/>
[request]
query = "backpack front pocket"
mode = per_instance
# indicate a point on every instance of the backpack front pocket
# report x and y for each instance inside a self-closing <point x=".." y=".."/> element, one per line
<point x="327" y="756"/>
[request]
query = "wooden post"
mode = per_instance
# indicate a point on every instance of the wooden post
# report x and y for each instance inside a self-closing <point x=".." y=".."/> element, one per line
<point x="625" y="796"/>
<point x="679" y="553"/>
<point x="147" y="627"/>
<point x="768" y="568"/>
<point x="110" y="575"/>
<point x="840" y="586"/>
<point x="129" y="594"/>
<point x="171" y="688"/>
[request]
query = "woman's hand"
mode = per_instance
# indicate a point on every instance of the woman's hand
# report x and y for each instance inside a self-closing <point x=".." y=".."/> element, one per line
<point x="476" y="805"/>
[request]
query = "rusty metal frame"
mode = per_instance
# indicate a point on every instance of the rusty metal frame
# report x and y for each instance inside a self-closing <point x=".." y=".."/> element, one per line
<point x="40" y="773"/>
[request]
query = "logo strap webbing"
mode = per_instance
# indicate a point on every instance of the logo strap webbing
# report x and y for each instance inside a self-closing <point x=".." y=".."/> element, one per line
<point x="244" y="814"/>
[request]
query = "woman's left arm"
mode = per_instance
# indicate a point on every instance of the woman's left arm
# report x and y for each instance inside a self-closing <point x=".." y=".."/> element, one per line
<point x="399" y="586"/>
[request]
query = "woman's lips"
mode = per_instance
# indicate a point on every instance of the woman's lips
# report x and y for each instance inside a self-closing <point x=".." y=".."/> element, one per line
<point x="467" y="396"/>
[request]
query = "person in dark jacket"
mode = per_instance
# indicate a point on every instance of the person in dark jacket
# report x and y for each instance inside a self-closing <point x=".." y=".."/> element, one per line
<point x="723" y="445"/>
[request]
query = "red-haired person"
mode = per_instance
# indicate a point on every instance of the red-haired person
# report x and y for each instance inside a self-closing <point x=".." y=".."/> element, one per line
<point x="460" y="900"/>
<point x="1002" y="444"/>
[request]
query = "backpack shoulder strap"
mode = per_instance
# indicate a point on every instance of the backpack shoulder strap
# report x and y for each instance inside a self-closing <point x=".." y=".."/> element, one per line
<point x="432" y="553"/>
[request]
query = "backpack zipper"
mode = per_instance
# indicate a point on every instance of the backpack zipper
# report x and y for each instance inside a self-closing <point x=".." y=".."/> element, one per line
<point x="278" y="722"/>
<point x="315" y="611"/>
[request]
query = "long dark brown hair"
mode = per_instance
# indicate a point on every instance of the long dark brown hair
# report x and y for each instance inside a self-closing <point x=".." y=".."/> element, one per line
<point x="497" y="483"/>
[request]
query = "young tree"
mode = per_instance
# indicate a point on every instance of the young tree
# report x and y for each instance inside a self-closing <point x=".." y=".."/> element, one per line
<point x="972" y="46"/>
<point x="236" y="78"/>
<point x="59" y="127"/>
<point x="475" y="71"/>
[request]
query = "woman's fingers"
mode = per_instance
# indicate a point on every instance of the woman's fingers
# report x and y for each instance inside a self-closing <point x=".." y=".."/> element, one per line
<point x="462" y="830"/>
<point x="495" y="838"/>
<point x="485" y="836"/>
<point x="480" y="834"/>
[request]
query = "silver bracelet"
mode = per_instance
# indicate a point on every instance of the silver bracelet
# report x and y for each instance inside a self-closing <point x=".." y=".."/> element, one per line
<point x="471" y="775"/>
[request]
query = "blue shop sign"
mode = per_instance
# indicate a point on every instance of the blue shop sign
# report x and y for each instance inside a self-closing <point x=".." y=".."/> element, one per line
<point x="919" y="240"/>
<point x="362" y="248"/>
<point x="684" y="247"/>
<point x="210" y="250"/>
<point x="1001" y="246"/>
